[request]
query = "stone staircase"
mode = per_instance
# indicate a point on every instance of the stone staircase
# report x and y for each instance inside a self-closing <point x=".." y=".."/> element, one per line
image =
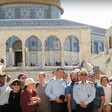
<point x="34" y="71"/>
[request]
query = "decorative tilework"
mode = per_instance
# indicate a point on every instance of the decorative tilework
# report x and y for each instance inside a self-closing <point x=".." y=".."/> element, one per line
<point x="33" y="44"/>
<point x="52" y="43"/>
<point x="10" y="14"/>
<point x="28" y="11"/>
<point x="72" y="44"/>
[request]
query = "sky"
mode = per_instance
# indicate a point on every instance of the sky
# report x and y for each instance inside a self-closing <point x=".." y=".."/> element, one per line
<point x="92" y="12"/>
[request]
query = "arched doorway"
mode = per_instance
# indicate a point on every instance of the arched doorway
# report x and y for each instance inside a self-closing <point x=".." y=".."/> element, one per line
<point x="13" y="52"/>
<point x="17" y="48"/>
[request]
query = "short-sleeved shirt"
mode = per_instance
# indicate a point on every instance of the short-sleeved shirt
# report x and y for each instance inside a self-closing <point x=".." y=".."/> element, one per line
<point x="99" y="93"/>
<point x="69" y="90"/>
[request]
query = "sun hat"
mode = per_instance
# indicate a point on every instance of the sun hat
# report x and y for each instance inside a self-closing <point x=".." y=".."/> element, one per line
<point x="29" y="81"/>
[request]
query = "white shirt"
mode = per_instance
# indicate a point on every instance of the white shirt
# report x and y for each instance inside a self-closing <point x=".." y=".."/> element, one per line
<point x="107" y="91"/>
<point x="84" y="92"/>
<point x="4" y="93"/>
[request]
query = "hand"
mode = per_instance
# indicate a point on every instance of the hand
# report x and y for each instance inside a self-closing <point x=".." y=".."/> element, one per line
<point x="83" y="105"/>
<point x="35" y="99"/>
<point x="65" y="100"/>
<point x="8" y="78"/>
<point x="58" y="100"/>
<point x="38" y="100"/>
<point x="99" y="110"/>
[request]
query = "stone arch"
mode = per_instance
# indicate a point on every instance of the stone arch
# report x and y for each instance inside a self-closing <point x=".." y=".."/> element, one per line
<point x="101" y="46"/>
<point x="52" y="51"/>
<point x="13" y="51"/>
<point x="71" y="48"/>
<point x="33" y="51"/>
<point x="96" y="47"/>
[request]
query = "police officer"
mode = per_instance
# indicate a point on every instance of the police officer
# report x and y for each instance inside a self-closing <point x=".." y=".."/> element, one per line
<point x="84" y="93"/>
<point x="55" y="90"/>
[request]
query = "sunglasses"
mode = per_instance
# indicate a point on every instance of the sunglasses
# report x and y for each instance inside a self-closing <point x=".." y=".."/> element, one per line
<point x="84" y="74"/>
<point x="16" y="84"/>
<point x="23" y="77"/>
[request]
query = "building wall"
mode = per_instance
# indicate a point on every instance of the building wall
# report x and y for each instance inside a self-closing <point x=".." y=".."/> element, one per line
<point x="23" y="33"/>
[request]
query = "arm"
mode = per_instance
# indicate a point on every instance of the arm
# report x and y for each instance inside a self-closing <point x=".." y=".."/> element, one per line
<point x="68" y="96"/>
<point x="48" y="91"/>
<point x="3" y="88"/>
<point x="69" y="102"/>
<point x="102" y="103"/>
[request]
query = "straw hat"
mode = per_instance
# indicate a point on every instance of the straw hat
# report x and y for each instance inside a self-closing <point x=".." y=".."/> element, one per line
<point x="29" y="81"/>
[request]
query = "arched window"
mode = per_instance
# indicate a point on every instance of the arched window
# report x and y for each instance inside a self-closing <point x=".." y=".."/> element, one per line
<point x="33" y="43"/>
<point x="52" y="51"/>
<point x="72" y="44"/>
<point x="95" y="47"/>
<point x="33" y="51"/>
<point x="71" y="48"/>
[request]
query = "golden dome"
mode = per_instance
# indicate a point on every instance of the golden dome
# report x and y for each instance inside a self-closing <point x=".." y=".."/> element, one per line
<point x="49" y="2"/>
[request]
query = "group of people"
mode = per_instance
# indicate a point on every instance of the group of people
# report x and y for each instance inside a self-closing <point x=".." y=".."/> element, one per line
<point x="86" y="92"/>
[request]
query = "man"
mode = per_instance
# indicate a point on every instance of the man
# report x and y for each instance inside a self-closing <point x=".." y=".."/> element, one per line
<point x="65" y="77"/>
<point x="54" y="74"/>
<point x="69" y="92"/>
<point x="106" y="87"/>
<point x="4" y="92"/>
<point x="97" y="72"/>
<point x="99" y="100"/>
<point x="55" y="90"/>
<point x="84" y="93"/>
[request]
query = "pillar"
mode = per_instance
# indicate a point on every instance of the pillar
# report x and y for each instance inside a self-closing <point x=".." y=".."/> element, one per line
<point x="23" y="56"/>
<point x="62" y="54"/>
<point x="43" y="54"/>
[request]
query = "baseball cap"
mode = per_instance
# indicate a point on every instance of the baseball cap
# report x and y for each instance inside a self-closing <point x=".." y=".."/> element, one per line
<point x="91" y="74"/>
<point x="96" y="68"/>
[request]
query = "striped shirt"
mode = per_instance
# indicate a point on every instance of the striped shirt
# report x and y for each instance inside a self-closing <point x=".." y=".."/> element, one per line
<point x="99" y="93"/>
<point x="69" y="90"/>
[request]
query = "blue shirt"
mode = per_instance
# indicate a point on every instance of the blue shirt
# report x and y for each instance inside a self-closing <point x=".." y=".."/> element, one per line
<point x="55" y="88"/>
<point x="99" y="93"/>
<point x="69" y="90"/>
<point x="84" y="92"/>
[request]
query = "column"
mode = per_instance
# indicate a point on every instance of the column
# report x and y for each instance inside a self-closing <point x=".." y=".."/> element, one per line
<point x="10" y="60"/>
<point x="23" y="56"/>
<point x="4" y="55"/>
<point x="43" y="54"/>
<point x="62" y="54"/>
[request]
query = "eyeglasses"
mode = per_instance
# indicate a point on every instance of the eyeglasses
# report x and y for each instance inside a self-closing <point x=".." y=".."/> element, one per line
<point x="16" y="84"/>
<point x="84" y="74"/>
<point x="23" y="77"/>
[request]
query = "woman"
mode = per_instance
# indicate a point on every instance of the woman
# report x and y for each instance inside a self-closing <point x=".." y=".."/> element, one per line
<point x="44" y="105"/>
<point x="22" y="78"/>
<point x="14" y="96"/>
<point x="29" y="97"/>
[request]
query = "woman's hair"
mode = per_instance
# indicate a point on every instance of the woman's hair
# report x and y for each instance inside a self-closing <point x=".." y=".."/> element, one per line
<point x="104" y="76"/>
